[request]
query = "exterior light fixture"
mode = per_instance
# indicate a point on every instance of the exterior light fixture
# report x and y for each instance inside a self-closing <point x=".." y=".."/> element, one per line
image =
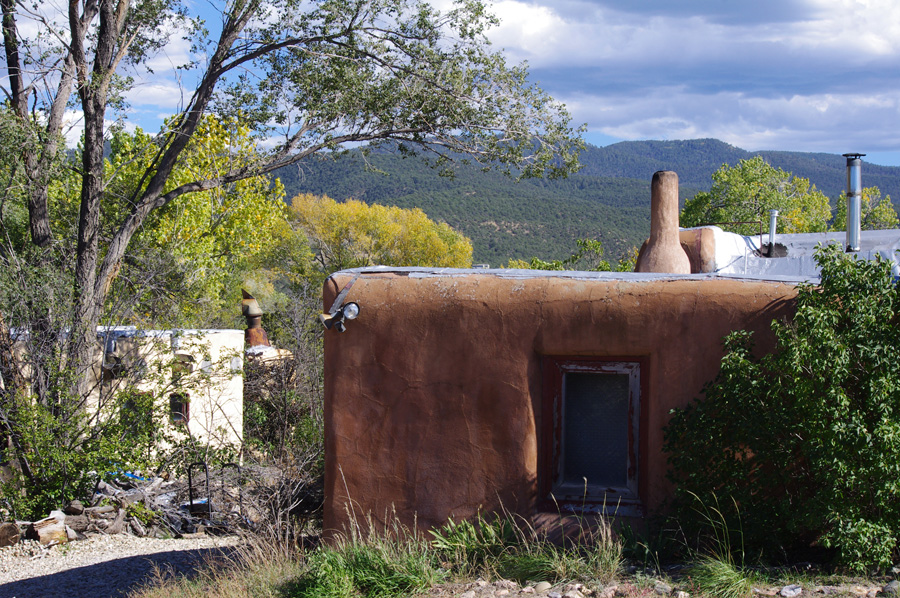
<point x="347" y="311"/>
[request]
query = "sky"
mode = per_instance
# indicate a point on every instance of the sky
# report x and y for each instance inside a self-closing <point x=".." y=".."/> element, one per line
<point x="794" y="75"/>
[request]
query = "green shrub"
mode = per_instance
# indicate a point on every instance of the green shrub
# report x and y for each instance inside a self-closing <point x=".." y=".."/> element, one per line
<point x="806" y="439"/>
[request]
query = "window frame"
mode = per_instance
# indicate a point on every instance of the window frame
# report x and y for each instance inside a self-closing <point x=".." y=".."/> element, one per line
<point x="557" y="495"/>
<point x="184" y="400"/>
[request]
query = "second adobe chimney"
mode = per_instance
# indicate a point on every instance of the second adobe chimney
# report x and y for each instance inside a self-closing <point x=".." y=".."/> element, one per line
<point x="255" y="334"/>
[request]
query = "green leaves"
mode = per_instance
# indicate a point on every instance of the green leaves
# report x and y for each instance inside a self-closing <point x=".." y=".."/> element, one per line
<point x="878" y="212"/>
<point x="807" y="438"/>
<point x="745" y="193"/>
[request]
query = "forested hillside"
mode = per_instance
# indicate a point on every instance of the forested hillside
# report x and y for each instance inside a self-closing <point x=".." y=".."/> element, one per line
<point x="695" y="160"/>
<point x="504" y="219"/>
<point x="608" y="199"/>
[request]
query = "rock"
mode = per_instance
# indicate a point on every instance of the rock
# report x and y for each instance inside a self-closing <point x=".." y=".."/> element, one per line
<point x="542" y="587"/>
<point x="790" y="591"/>
<point x="682" y="594"/>
<point x="527" y="590"/>
<point x="663" y="589"/>
<point x="827" y="590"/>
<point x="71" y="535"/>
<point x="503" y="592"/>
<point x="573" y="594"/>
<point x="469" y="594"/>
<point x="506" y="584"/>
<point x="79" y="523"/>
<point x="75" y="507"/>
<point x="9" y="534"/>
<point x="607" y="592"/>
<point x="554" y="595"/>
<point x="892" y="588"/>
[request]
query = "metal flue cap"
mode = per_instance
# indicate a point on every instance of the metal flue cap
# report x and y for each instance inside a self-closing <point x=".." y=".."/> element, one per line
<point x="249" y="305"/>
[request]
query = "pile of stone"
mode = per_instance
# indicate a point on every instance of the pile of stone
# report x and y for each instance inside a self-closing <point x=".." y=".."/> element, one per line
<point x="136" y="506"/>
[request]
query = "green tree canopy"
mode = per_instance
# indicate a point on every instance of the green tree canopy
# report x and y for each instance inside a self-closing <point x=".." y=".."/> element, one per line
<point x="589" y="256"/>
<point x="878" y="212"/>
<point x="746" y="192"/>
<point x="202" y="246"/>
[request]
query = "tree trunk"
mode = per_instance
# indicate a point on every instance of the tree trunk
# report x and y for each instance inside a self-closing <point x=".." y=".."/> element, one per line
<point x="9" y="534"/>
<point x="51" y="529"/>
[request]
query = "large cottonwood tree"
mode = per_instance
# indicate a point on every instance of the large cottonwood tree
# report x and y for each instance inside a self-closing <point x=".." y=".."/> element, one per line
<point x="312" y="74"/>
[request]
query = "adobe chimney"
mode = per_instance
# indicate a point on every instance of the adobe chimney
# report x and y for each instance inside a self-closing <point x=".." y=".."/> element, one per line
<point x="662" y="252"/>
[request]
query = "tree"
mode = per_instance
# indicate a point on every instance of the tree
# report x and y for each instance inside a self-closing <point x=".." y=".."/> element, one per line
<point x="878" y="212"/>
<point x="806" y="439"/>
<point x="352" y="234"/>
<point x="746" y="192"/>
<point x="320" y="75"/>
<point x="211" y="240"/>
<point x="588" y="257"/>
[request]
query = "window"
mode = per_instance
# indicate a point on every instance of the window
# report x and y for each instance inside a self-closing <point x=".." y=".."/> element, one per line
<point x="179" y="408"/>
<point x="591" y="433"/>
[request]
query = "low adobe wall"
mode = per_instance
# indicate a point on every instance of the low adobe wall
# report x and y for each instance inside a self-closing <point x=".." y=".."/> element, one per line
<point x="433" y="396"/>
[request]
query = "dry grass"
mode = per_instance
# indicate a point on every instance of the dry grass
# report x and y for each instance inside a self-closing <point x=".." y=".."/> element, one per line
<point x="257" y="569"/>
<point x="398" y="562"/>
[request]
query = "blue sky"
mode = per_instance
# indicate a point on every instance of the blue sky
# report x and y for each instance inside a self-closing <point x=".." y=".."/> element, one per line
<point x="796" y="75"/>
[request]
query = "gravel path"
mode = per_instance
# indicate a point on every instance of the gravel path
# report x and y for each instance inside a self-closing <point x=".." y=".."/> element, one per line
<point x="100" y="566"/>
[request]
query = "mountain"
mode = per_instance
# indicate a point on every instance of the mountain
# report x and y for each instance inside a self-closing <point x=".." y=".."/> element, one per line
<point x="608" y="199"/>
<point x="695" y="160"/>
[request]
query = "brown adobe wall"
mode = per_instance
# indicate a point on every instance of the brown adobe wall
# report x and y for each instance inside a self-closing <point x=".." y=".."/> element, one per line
<point x="433" y="395"/>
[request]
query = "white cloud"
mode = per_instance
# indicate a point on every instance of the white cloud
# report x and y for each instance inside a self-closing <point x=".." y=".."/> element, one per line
<point x="164" y="94"/>
<point x="820" y="75"/>
<point x="858" y="28"/>
<point x="73" y="126"/>
<point x="822" y="123"/>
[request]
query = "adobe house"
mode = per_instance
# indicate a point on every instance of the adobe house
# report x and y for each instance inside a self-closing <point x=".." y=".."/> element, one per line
<point x="196" y="376"/>
<point x="541" y="393"/>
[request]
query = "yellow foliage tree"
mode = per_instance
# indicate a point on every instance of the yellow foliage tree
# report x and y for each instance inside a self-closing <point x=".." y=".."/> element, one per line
<point x="353" y="234"/>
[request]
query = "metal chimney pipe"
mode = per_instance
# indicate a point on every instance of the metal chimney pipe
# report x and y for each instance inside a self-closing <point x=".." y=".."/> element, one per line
<point x="773" y="223"/>
<point x="854" y="200"/>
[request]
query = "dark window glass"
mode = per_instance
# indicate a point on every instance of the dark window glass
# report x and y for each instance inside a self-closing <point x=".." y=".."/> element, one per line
<point x="595" y="429"/>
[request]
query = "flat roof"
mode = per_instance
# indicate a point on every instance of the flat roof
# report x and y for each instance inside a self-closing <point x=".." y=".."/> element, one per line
<point x="418" y="272"/>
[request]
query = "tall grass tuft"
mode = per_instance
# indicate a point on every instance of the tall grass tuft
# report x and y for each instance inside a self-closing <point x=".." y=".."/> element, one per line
<point x="509" y="547"/>
<point x="720" y="570"/>
<point x="373" y="564"/>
